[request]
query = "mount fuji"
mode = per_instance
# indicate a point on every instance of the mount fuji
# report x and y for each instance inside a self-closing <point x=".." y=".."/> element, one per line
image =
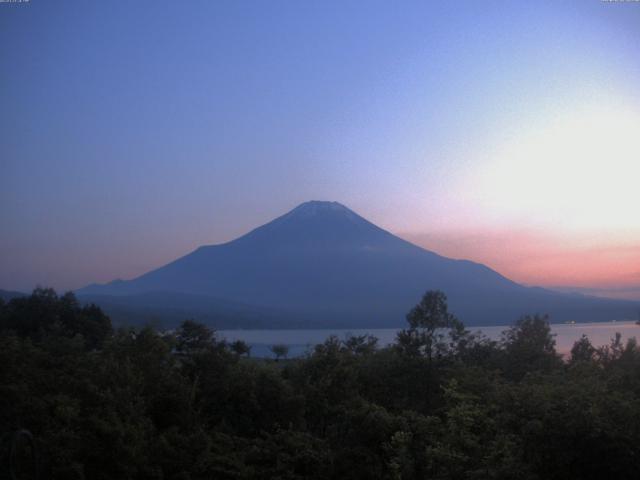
<point x="322" y="265"/>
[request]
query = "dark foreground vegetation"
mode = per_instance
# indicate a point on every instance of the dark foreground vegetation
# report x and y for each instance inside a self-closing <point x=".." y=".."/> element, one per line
<point x="79" y="400"/>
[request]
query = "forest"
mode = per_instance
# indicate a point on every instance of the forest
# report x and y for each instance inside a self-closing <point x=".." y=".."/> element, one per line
<point x="80" y="399"/>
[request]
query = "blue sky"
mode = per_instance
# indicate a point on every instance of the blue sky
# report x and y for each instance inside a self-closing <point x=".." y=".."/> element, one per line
<point x="132" y="132"/>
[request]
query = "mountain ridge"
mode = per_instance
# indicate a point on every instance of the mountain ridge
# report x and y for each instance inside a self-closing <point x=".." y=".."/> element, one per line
<point x="325" y="263"/>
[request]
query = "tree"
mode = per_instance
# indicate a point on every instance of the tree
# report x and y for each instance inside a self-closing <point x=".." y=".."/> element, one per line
<point x="529" y="346"/>
<point x="429" y="324"/>
<point x="279" y="350"/>
<point x="360" y="344"/>
<point x="240" y="347"/>
<point x="193" y="337"/>
<point x="44" y="314"/>
<point x="582" y="350"/>
<point x="94" y="325"/>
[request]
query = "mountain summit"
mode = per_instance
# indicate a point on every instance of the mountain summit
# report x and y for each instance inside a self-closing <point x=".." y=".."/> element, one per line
<point x="320" y="207"/>
<point x="323" y="265"/>
<point x="322" y="210"/>
<point x="315" y="224"/>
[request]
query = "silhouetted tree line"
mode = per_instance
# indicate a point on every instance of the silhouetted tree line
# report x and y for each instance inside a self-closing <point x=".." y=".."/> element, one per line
<point x="81" y="401"/>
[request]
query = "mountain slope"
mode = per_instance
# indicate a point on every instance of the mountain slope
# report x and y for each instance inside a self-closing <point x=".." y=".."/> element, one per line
<point x="325" y="265"/>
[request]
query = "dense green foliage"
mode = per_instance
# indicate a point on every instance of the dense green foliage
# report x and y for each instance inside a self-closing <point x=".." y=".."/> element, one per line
<point x="439" y="404"/>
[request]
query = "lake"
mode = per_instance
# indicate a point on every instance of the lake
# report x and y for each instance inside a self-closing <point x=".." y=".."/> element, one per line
<point x="301" y="341"/>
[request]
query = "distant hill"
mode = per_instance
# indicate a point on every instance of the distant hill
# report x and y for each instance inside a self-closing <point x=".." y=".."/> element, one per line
<point x="167" y="309"/>
<point x="322" y="265"/>
<point x="7" y="295"/>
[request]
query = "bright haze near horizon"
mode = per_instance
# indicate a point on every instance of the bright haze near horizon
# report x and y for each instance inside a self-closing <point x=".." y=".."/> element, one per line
<point x="507" y="133"/>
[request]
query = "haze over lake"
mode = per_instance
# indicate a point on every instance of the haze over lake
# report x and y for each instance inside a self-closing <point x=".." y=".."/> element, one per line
<point x="300" y="341"/>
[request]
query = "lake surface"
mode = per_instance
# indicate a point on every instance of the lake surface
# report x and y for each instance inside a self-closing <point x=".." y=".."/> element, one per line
<point x="302" y="341"/>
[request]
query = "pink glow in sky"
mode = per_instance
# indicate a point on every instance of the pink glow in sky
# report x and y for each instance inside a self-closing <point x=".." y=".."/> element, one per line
<point x="605" y="267"/>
